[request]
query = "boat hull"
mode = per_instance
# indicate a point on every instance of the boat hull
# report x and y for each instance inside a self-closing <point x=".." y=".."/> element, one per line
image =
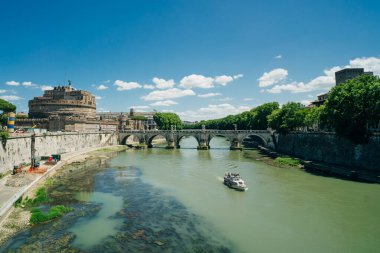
<point x="239" y="188"/>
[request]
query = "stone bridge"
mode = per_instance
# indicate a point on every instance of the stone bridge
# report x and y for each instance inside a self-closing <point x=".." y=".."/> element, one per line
<point x="203" y="137"/>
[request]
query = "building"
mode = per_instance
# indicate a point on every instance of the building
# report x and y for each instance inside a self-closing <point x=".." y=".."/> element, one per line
<point x="131" y="120"/>
<point x="341" y="76"/>
<point x="63" y="101"/>
<point x="65" y="109"/>
<point x="320" y="100"/>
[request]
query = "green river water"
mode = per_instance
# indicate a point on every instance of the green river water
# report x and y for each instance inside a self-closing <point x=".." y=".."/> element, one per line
<point x="160" y="200"/>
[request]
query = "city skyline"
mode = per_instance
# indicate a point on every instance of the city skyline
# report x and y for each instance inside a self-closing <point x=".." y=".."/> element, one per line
<point x="200" y="60"/>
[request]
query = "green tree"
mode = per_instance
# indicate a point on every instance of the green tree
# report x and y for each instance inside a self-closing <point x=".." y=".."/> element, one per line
<point x="165" y="120"/>
<point x="290" y="117"/>
<point x="353" y="107"/>
<point x="259" y="115"/>
<point x="6" y="107"/>
<point x="313" y="117"/>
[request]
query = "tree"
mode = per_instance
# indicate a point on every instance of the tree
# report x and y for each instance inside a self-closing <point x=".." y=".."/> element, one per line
<point x="259" y="115"/>
<point x="165" y="120"/>
<point x="290" y="117"/>
<point x="313" y="117"/>
<point x="6" y="107"/>
<point x="353" y="107"/>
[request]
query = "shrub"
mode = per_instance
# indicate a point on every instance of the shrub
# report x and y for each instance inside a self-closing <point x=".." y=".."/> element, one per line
<point x="39" y="216"/>
<point x="287" y="161"/>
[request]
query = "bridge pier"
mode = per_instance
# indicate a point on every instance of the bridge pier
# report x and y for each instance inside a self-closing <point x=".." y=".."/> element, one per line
<point x="142" y="143"/>
<point x="236" y="145"/>
<point x="203" y="146"/>
<point x="171" y="145"/>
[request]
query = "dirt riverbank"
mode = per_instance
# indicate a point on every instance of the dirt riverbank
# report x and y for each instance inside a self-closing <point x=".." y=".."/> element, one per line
<point x="17" y="218"/>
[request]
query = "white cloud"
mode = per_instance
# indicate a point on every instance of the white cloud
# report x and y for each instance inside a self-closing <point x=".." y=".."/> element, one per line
<point x="238" y="76"/>
<point x="223" y="80"/>
<point x="98" y="97"/>
<point x="272" y="77"/>
<point x="278" y="56"/>
<point x="212" y="112"/>
<point x="369" y="64"/>
<point x="46" y="87"/>
<point x="3" y="91"/>
<point x="121" y="85"/>
<point x="101" y="87"/>
<point x="162" y="83"/>
<point x="319" y="83"/>
<point x="207" y="95"/>
<point x="197" y="81"/>
<point x="167" y="94"/>
<point x="12" y="83"/>
<point x="200" y="81"/>
<point x="148" y="87"/>
<point x="11" y="98"/>
<point x="29" y="84"/>
<point x="248" y="99"/>
<point x="327" y="81"/>
<point x="164" y="103"/>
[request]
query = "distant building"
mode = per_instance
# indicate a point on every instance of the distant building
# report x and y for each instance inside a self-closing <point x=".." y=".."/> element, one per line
<point x="130" y="120"/>
<point x="320" y="100"/>
<point x="341" y="76"/>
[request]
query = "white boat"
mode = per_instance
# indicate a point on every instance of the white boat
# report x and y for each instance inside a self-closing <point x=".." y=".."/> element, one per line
<point x="234" y="181"/>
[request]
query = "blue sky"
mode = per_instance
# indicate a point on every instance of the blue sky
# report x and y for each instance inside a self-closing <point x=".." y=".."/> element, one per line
<point x="201" y="59"/>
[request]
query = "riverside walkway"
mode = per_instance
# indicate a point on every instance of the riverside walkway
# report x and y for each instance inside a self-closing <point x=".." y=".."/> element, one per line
<point x="10" y="194"/>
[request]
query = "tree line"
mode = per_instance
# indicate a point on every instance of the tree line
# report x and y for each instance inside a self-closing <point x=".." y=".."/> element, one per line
<point x="352" y="110"/>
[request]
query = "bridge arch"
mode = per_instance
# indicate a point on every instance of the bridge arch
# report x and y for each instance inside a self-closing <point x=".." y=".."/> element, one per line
<point x="150" y="139"/>
<point x="124" y="139"/>
<point x="257" y="138"/>
<point x="211" y="137"/>
<point x="180" y="137"/>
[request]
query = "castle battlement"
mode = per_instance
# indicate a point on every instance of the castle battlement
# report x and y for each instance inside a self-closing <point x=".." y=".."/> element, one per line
<point x="63" y="101"/>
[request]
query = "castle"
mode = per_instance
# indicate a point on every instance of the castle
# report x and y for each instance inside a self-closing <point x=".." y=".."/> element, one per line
<point x="63" y="101"/>
<point x="66" y="109"/>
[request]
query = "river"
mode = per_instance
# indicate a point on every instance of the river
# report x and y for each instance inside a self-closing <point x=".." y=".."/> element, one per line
<point x="160" y="200"/>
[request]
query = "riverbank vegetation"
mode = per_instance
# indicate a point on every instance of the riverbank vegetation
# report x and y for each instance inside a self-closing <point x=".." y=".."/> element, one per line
<point x="287" y="161"/>
<point x="352" y="110"/>
<point x="34" y="206"/>
<point x="38" y="216"/>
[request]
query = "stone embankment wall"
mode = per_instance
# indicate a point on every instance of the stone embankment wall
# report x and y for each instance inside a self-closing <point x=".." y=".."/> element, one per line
<point x="332" y="149"/>
<point x="18" y="149"/>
